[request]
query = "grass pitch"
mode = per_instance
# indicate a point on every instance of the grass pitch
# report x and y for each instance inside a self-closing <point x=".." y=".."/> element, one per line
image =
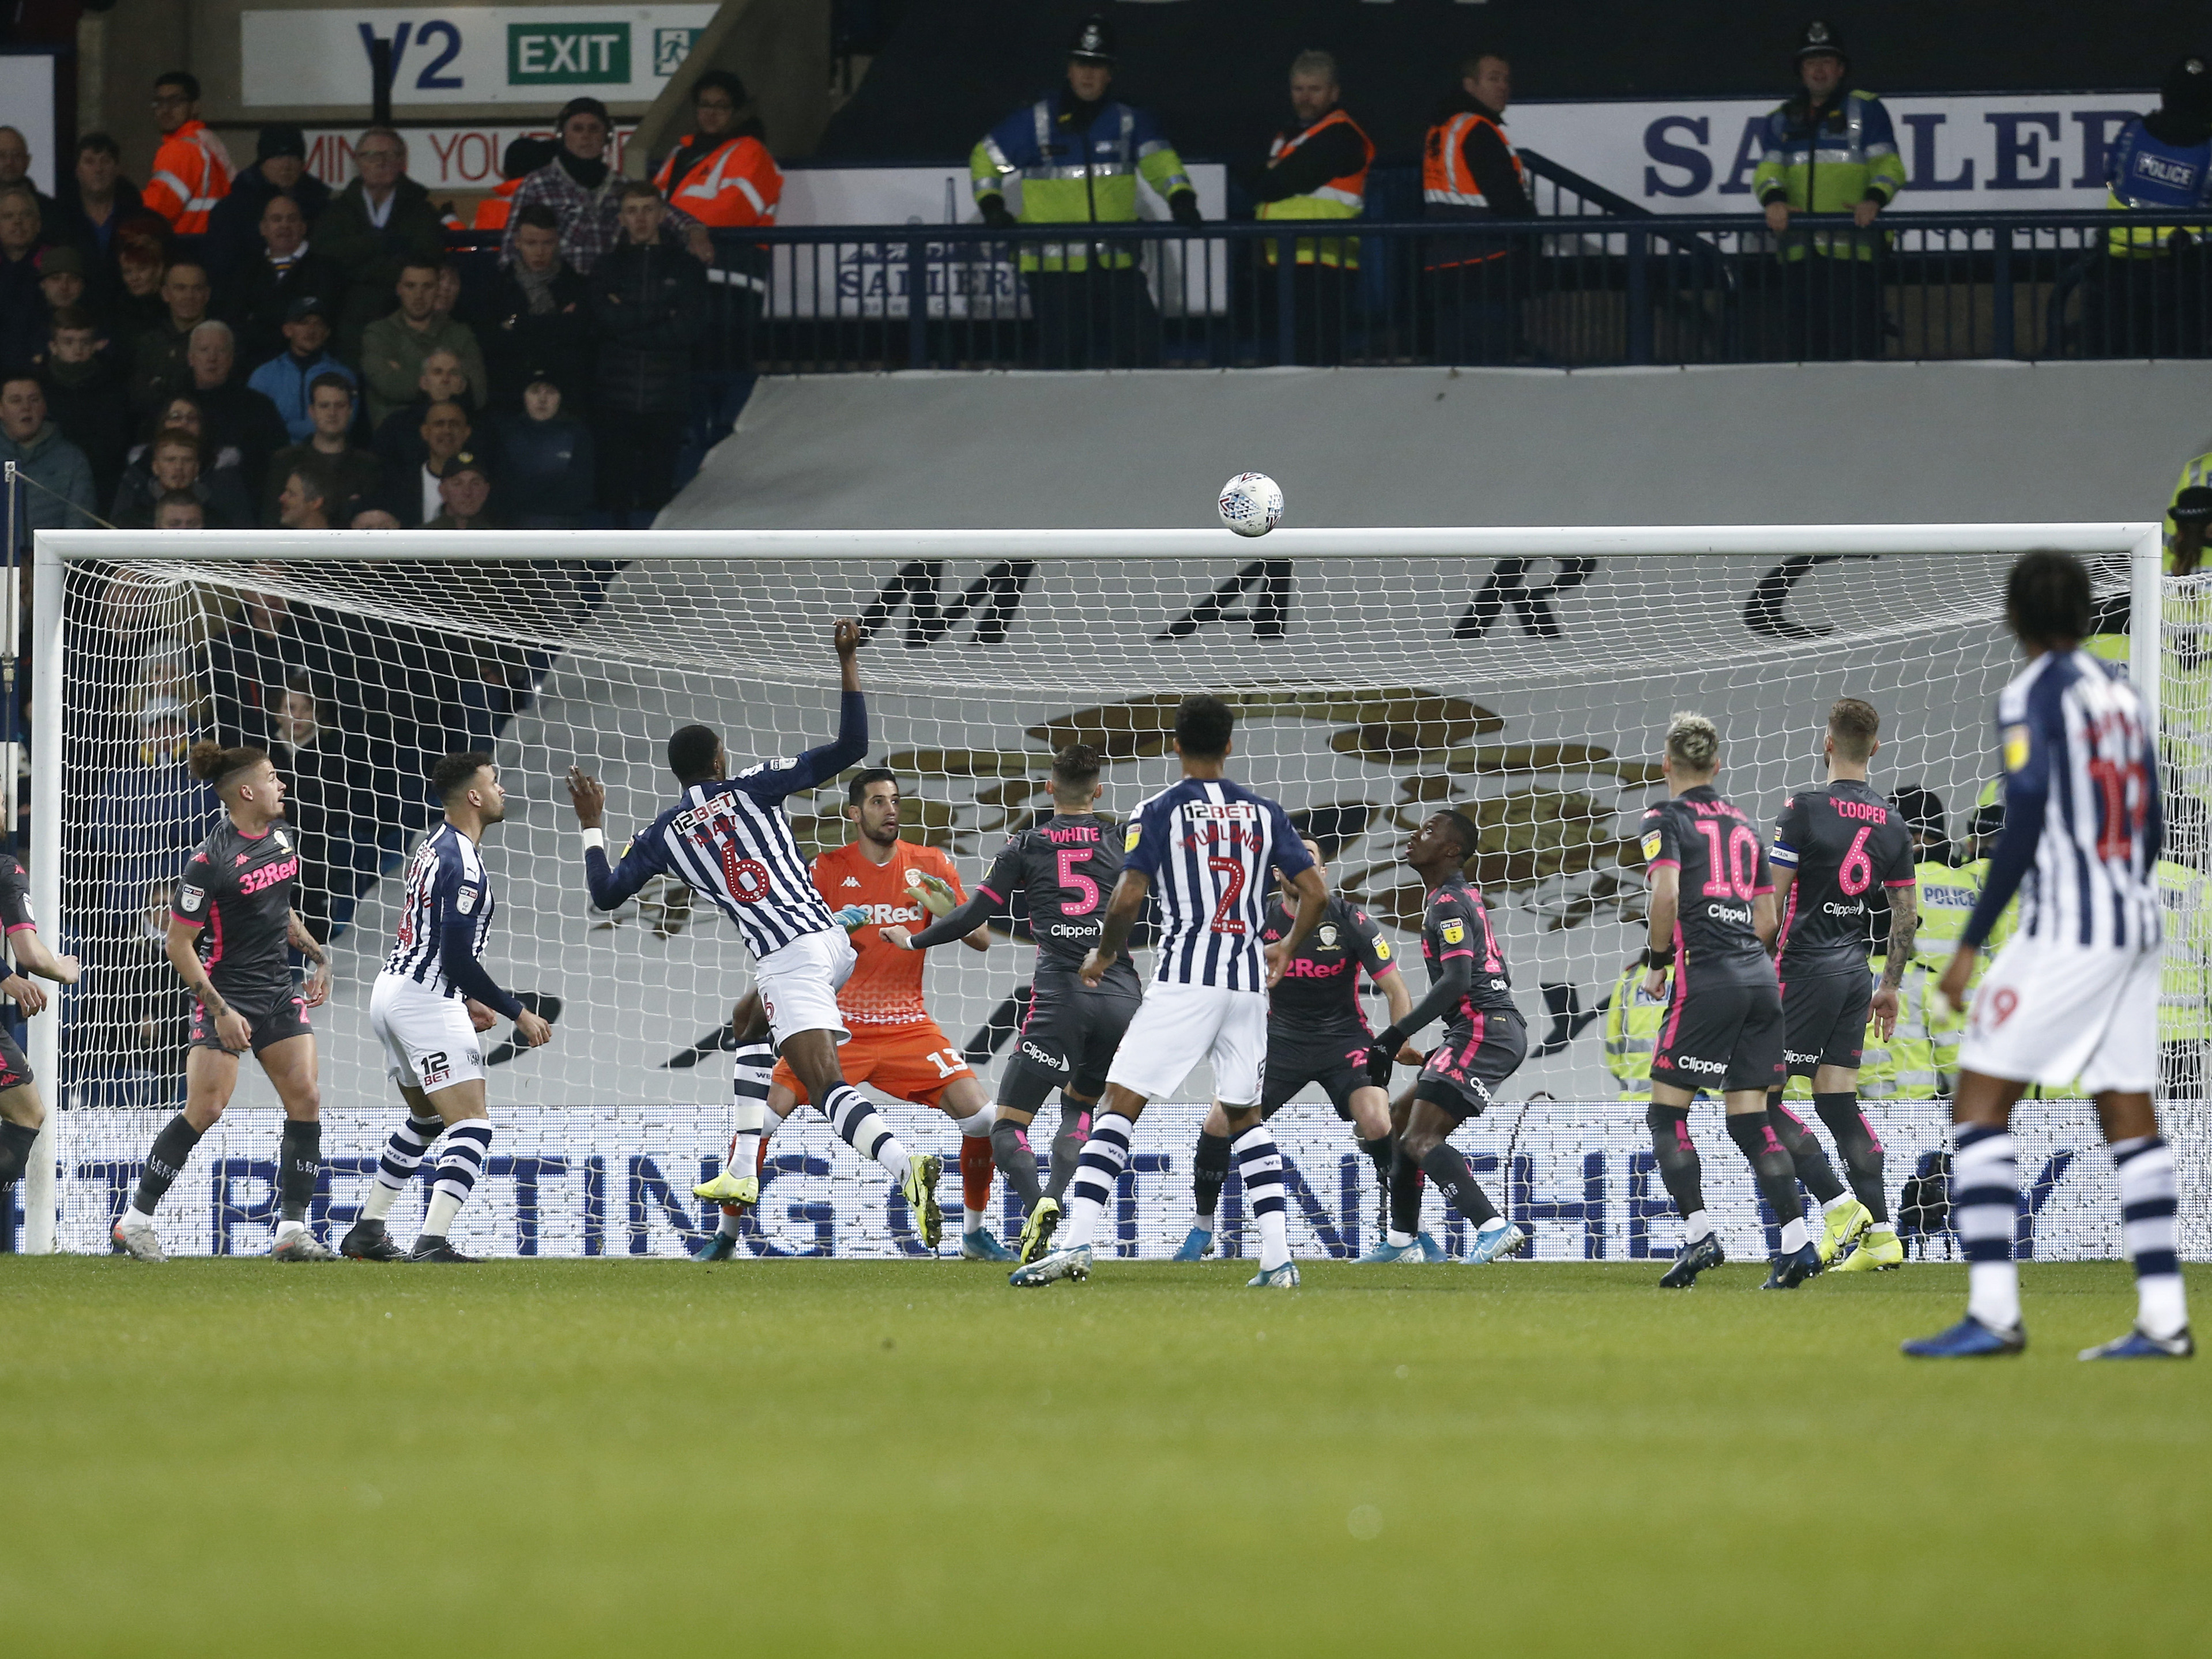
<point x="793" y="1458"/>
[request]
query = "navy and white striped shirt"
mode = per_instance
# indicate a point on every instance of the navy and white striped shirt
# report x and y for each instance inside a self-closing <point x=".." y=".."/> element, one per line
<point x="445" y="917"/>
<point x="1206" y="845"/>
<point x="730" y="840"/>
<point x="2083" y="829"/>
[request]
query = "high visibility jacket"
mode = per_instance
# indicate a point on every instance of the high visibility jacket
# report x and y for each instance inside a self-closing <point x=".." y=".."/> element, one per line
<point x="1848" y="157"/>
<point x="1631" y="1029"/>
<point x="1878" y="1057"/>
<point x="1341" y="197"/>
<point x="2146" y="171"/>
<point x="732" y="186"/>
<point x="2185" y="992"/>
<point x="191" y="173"/>
<point x="494" y="212"/>
<point x="1451" y="190"/>
<point x="1946" y="897"/>
<point x="1071" y="177"/>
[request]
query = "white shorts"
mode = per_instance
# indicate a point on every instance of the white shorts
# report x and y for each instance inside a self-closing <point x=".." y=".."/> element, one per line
<point x="800" y="982"/>
<point x="429" y="1043"/>
<point x="1179" y="1025"/>
<point x="2050" y="1013"/>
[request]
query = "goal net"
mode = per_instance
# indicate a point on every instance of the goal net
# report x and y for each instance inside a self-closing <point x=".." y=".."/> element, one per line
<point x="1524" y="677"/>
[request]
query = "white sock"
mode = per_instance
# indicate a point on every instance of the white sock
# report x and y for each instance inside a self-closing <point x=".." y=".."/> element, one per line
<point x="378" y="1205"/>
<point x="1259" y="1163"/>
<point x="1829" y="1206"/>
<point x="1984" y="1206"/>
<point x="1793" y="1235"/>
<point x="972" y="1220"/>
<point x="1105" y="1155"/>
<point x="2148" y="1205"/>
<point x="977" y="1127"/>
<point x="444" y="1206"/>
<point x="728" y="1224"/>
<point x="285" y="1228"/>
<point x="1202" y="1223"/>
<point x="751" y="1068"/>
<point x="1695" y="1226"/>
<point x="1398" y="1241"/>
<point x="468" y="1144"/>
<point x="135" y="1217"/>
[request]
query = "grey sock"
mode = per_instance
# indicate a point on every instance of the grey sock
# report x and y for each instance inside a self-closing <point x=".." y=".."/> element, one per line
<point x="299" y="1165"/>
<point x="1805" y="1151"/>
<point x="165" y="1162"/>
<point x="1754" y="1134"/>
<point x="1862" y="1150"/>
<point x="15" y="1142"/>
<point x="1678" y="1157"/>
<point x="1448" y="1169"/>
<point x="1009" y="1149"/>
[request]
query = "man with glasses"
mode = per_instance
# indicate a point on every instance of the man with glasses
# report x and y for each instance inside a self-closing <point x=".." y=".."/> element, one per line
<point x="379" y="222"/>
<point x="191" y="169"/>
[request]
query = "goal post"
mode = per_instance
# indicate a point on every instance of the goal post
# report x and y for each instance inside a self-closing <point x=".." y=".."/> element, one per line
<point x="1523" y="674"/>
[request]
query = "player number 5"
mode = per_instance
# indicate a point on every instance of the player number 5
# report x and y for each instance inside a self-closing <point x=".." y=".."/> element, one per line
<point x="1069" y="877"/>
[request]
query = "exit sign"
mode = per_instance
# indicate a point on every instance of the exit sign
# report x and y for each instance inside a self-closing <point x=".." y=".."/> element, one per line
<point x="564" y="54"/>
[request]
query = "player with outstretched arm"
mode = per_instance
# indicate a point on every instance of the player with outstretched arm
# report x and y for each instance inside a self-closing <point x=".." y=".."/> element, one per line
<point x="729" y="840"/>
<point x="2073" y="992"/>
<point x="426" y="1008"/>
<point x="233" y="926"/>
<point x="1202" y="849"/>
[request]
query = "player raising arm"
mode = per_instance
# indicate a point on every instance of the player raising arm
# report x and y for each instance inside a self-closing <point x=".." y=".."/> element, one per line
<point x="2074" y="993"/>
<point x="1202" y="849"/>
<point x="21" y="1111"/>
<point x="232" y="929"/>
<point x="427" y="1007"/>
<point x="728" y="840"/>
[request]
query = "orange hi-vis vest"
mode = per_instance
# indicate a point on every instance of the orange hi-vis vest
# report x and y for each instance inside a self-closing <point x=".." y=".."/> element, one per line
<point x="1344" y="197"/>
<point x="735" y="185"/>
<point x="1449" y="189"/>
<point x="191" y="173"/>
<point x="496" y="208"/>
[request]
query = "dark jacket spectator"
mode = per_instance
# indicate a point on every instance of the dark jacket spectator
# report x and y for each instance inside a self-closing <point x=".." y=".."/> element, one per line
<point x="85" y="398"/>
<point x="410" y="489"/>
<point x="539" y="318"/>
<point x="280" y="168"/>
<point x="281" y="272"/>
<point x="59" y="475"/>
<point x="548" y="465"/>
<point x="149" y="814"/>
<point x="374" y="226"/>
<point x="330" y="799"/>
<point x="354" y="479"/>
<point x="173" y="460"/>
<point x="238" y="416"/>
<point x="398" y="436"/>
<point x="285" y="379"/>
<point x="586" y="193"/>
<point x="142" y="265"/>
<point x="649" y="300"/>
<point x="92" y="204"/>
<point x="15" y="170"/>
<point x="394" y="348"/>
<point x="23" y="307"/>
<point x="159" y="360"/>
<point x="464" y="491"/>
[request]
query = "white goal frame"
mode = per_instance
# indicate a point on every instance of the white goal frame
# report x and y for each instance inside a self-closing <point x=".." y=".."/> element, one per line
<point x="2139" y="541"/>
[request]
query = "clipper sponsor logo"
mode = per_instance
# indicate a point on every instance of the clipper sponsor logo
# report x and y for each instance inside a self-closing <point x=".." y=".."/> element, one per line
<point x="1740" y="913"/>
<point x="1702" y="1067"/>
<point x="1833" y="909"/>
<point x="1797" y="1059"/>
<point x="1069" y="930"/>
<point x="1051" y="1062"/>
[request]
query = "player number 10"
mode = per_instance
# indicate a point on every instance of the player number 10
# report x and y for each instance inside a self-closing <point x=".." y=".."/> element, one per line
<point x="1741" y="860"/>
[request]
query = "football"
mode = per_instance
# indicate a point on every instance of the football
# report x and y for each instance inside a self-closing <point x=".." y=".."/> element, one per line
<point x="1250" y="503"/>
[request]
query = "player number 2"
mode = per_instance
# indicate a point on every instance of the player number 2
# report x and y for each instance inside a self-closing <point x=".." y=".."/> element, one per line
<point x="1741" y="857"/>
<point x="1071" y="878"/>
<point x="1232" y="890"/>
<point x="1857" y="873"/>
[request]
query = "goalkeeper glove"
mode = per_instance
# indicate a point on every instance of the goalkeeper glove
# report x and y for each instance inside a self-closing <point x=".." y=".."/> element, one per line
<point x="935" y="894"/>
<point x="993" y="209"/>
<point x="1384" y="1054"/>
<point x="1183" y="206"/>
<point x="852" y="918"/>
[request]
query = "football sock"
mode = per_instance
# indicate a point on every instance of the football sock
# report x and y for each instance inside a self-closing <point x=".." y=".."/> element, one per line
<point x="1405" y="1194"/>
<point x="1861" y="1147"/>
<point x="1805" y="1151"/>
<point x="1677" y="1157"/>
<point x="1105" y="1155"/>
<point x="1067" y="1145"/>
<point x="1696" y="1225"/>
<point x="402" y="1156"/>
<point x="1771" y="1166"/>
<point x="1793" y="1235"/>
<point x="1260" y="1165"/>
<point x="300" y="1164"/>
<point x="1379" y="1153"/>
<point x="1445" y="1165"/>
<point x="1209" y="1171"/>
<point x="861" y="1127"/>
<point x="165" y="1162"/>
<point x="468" y="1143"/>
<point x="975" y="1170"/>
<point x="2147" y="1192"/>
<point x="1984" y="1204"/>
<point x="1011" y="1151"/>
<point x="749" y="1069"/>
<point x="16" y="1140"/>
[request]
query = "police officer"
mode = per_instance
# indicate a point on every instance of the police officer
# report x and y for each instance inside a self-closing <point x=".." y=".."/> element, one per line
<point x="1924" y="1048"/>
<point x="1829" y="150"/>
<point x="1471" y="172"/>
<point x="1632" y="1028"/>
<point x="1078" y="154"/>
<point x="2143" y="297"/>
<point x="1316" y="169"/>
<point x="2184" y="1001"/>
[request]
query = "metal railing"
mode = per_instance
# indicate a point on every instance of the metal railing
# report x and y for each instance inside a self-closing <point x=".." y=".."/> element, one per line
<point x="1588" y="284"/>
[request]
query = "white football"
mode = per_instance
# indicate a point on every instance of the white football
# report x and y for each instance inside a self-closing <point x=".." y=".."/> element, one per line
<point x="1251" y="503"/>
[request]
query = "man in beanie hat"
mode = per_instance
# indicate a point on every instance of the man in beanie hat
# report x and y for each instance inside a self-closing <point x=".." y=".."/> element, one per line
<point x="280" y="168"/>
<point x="584" y="191"/>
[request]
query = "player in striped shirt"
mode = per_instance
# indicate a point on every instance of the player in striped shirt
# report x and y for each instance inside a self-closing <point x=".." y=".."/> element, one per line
<point x="426" y="1008"/>
<point x="2073" y="992"/>
<point x="729" y="841"/>
<point x="1202" y="850"/>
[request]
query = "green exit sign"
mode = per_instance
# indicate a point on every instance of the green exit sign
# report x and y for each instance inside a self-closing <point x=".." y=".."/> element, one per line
<point x="568" y="54"/>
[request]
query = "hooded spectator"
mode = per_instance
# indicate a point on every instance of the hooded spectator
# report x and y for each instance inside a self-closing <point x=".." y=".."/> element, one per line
<point x="284" y="380"/>
<point x="539" y="318"/>
<point x="60" y="477"/>
<point x="374" y="226"/>
<point x="393" y="348"/>
<point x="280" y="168"/>
<point x="548" y="464"/>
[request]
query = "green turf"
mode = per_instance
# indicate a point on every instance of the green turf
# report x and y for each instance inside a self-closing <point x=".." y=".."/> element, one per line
<point x="899" y="1458"/>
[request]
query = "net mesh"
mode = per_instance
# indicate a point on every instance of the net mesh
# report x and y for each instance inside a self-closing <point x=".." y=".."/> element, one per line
<point x="1530" y="693"/>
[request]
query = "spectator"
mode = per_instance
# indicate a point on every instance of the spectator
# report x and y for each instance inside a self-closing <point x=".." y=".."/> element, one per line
<point x="584" y="193"/>
<point x="60" y="497"/>
<point x="399" y="438"/>
<point x="354" y="475"/>
<point x="547" y="464"/>
<point x="281" y="272"/>
<point x="539" y="321"/>
<point x="464" y="491"/>
<point x="142" y="265"/>
<point x="2145" y="298"/>
<point x="524" y="157"/>
<point x="1316" y="169"/>
<point x="179" y="509"/>
<point x="183" y="410"/>
<point x="648" y="298"/>
<point x="84" y="397"/>
<point x="160" y="358"/>
<point x="175" y="461"/>
<point x="1829" y="150"/>
<point x="150" y="811"/>
<point x="1470" y="172"/>
<point x="239" y="418"/>
<point x="327" y="792"/>
<point x="191" y="169"/>
<point x="62" y="284"/>
<point x="303" y="502"/>
<point x="393" y="348"/>
<point x="273" y="639"/>
<point x="96" y="201"/>
<point x="22" y="306"/>
<point x="16" y="169"/>
<point x="235" y="228"/>
<point x="445" y="299"/>
<point x="141" y="1011"/>
<point x="375" y="224"/>
<point x="285" y="379"/>
<point x="411" y="492"/>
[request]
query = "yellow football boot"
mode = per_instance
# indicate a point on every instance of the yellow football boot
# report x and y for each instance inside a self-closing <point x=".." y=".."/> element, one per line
<point x="725" y="1189"/>
<point x="1878" y="1252"/>
<point x="1844" y="1222"/>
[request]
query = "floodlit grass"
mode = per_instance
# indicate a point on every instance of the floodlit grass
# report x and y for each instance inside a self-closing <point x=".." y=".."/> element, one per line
<point x="894" y="1458"/>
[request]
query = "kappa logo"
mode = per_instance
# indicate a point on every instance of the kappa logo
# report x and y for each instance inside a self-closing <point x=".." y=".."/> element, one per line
<point x="239" y="859"/>
<point x="852" y="881"/>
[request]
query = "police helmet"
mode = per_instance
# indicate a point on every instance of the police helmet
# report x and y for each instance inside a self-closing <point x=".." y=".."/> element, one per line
<point x="2187" y="89"/>
<point x="2192" y="506"/>
<point x="1820" y="41"/>
<point x="1093" y="42"/>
